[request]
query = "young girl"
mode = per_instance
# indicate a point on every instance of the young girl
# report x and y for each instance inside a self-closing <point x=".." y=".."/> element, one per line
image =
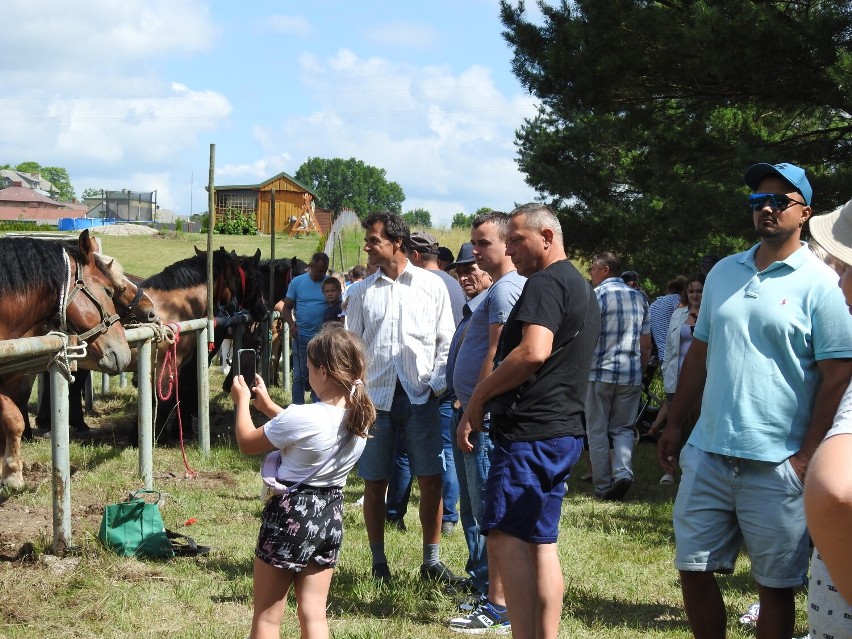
<point x="301" y="532"/>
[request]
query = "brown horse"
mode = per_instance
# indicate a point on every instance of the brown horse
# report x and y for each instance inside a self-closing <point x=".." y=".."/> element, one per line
<point x="43" y="285"/>
<point x="180" y="293"/>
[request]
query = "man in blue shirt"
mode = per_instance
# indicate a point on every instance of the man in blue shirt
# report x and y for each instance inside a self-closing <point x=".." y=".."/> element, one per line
<point x="770" y="360"/>
<point x="304" y="297"/>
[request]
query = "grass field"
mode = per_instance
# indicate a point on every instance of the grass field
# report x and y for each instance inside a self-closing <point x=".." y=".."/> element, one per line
<point x="616" y="557"/>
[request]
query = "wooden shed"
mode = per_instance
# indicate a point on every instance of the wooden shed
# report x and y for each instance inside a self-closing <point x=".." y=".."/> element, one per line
<point x="256" y="200"/>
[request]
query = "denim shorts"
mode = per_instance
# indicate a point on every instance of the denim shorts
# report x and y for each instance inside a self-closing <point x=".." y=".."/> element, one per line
<point x="421" y="431"/>
<point x="725" y="502"/>
<point x="303" y="526"/>
<point x="525" y="486"/>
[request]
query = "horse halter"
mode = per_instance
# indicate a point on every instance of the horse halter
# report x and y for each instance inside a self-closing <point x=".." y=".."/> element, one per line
<point x="69" y="293"/>
<point x="132" y="304"/>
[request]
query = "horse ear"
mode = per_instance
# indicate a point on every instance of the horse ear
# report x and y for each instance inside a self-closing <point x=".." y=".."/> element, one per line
<point x="198" y="252"/>
<point x="85" y="246"/>
<point x="256" y="259"/>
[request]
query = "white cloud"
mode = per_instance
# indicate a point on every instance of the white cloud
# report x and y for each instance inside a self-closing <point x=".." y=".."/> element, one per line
<point x="446" y="137"/>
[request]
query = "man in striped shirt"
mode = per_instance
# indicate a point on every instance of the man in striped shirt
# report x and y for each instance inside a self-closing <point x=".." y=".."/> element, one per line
<point x="403" y="314"/>
<point x="615" y="381"/>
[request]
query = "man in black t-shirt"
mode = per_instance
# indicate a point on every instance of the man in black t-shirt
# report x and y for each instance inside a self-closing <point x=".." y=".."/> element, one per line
<point x="536" y="397"/>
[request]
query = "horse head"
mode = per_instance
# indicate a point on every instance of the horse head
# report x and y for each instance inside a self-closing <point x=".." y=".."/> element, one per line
<point x="245" y="275"/>
<point x="88" y="309"/>
<point x="136" y="304"/>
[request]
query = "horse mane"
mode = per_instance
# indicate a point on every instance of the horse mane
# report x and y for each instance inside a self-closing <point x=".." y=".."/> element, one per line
<point x="27" y="264"/>
<point x="186" y="273"/>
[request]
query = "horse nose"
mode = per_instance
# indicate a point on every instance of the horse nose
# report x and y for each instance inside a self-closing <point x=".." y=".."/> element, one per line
<point x="152" y="316"/>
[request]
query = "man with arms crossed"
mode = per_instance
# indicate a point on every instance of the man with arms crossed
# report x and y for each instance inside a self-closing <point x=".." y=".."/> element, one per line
<point x="539" y="385"/>
<point x="475" y="363"/>
<point x="403" y="315"/>
<point x="770" y="355"/>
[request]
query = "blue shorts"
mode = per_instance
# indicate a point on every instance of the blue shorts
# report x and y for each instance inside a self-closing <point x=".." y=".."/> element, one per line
<point x="525" y="486"/>
<point x="421" y="431"/>
<point x="724" y="502"/>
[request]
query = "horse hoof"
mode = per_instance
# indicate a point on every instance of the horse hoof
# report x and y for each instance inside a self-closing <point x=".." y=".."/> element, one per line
<point x="82" y="427"/>
<point x="14" y="481"/>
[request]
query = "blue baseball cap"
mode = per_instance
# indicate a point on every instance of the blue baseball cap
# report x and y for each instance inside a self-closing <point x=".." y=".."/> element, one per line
<point x="795" y="175"/>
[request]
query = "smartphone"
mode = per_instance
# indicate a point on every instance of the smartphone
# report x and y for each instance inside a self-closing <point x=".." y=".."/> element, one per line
<point x="247" y="366"/>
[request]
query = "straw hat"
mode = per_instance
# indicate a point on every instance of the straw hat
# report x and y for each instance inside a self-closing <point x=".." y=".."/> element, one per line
<point x="834" y="232"/>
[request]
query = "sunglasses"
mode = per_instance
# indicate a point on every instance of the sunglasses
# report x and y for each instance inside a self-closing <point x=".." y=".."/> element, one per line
<point x="777" y="202"/>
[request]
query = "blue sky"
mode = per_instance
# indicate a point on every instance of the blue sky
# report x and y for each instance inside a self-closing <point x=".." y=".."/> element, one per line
<point x="131" y="93"/>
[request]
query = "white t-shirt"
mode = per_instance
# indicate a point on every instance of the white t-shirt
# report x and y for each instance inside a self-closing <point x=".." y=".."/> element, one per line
<point x="307" y="435"/>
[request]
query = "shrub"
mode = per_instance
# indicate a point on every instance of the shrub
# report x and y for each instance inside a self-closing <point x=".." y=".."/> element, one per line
<point x="236" y="223"/>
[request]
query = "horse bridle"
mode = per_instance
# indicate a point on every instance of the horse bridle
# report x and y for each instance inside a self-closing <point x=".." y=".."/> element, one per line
<point x="69" y="293"/>
<point x="132" y="304"/>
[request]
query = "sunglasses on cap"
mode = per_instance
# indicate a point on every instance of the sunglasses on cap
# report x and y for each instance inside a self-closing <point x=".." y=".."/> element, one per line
<point x="777" y="201"/>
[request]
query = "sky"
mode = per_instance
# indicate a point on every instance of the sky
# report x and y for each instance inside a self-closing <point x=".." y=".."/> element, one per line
<point x="132" y="93"/>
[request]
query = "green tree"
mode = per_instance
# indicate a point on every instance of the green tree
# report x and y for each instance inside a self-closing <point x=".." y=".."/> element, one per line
<point x="418" y="217"/>
<point x="92" y="192"/>
<point x="57" y="176"/>
<point x="351" y="184"/>
<point x="651" y="111"/>
<point x="462" y="220"/>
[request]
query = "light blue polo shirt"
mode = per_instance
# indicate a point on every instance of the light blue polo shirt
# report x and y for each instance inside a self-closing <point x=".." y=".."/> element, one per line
<point x="310" y="304"/>
<point x="765" y="333"/>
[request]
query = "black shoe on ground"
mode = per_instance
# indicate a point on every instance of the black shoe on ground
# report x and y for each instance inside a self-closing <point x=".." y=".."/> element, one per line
<point x="381" y="573"/>
<point x="448" y="527"/>
<point x="617" y="491"/>
<point x="398" y="523"/>
<point x="439" y="572"/>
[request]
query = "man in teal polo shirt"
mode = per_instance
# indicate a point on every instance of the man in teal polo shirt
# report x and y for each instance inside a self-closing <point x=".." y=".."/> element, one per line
<point x="770" y="362"/>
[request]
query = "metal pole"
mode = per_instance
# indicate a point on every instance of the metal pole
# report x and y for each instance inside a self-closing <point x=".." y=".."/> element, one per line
<point x="122" y="380"/>
<point x="211" y="212"/>
<point x="266" y="351"/>
<point x="146" y="422"/>
<point x="104" y="384"/>
<point x="203" y="392"/>
<point x="61" y="457"/>
<point x="285" y="356"/>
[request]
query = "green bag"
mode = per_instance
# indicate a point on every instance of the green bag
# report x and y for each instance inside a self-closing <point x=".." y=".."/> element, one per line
<point x="134" y="528"/>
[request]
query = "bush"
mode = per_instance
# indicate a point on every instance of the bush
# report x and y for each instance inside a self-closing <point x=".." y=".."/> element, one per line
<point x="236" y="223"/>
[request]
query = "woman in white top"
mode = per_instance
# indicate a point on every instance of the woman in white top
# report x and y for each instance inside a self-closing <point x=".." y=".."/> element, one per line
<point x="301" y="530"/>
<point x="678" y="340"/>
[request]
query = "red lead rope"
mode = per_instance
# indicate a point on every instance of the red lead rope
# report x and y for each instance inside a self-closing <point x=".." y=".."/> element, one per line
<point x="170" y="365"/>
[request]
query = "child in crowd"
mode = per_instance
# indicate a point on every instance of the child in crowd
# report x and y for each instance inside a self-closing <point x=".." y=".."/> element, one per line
<point x="332" y="289"/>
<point x="302" y="523"/>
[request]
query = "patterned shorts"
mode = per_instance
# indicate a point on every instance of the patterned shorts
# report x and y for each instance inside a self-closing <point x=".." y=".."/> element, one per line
<point x="303" y="526"/>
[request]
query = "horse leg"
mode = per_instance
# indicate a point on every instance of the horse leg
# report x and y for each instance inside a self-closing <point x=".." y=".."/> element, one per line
<point x="12" y="425"/>
<point x="75" y="401"/>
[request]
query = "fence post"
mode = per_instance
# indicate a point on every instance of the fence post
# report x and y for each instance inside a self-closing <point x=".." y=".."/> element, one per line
<point x="104" y="384"/>
<point x="61" y="461"/>
<point x="285" y="356"/>
<point x="145" y="425"/>
<point x="203" y="425"/>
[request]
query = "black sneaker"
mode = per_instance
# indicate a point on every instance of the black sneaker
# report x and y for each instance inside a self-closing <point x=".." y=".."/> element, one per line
<point x="381" y="573"/>
<point x="617" y="491"/>
<point x="439" y="572"/>
<point x="398" y="523"/>
<point x="484" y="619"/>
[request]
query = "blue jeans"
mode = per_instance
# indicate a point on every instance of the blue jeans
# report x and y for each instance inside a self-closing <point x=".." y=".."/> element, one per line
<point x="300" y="368"/>
<point x="399" y="486"/>
<point x="471" y="471"/>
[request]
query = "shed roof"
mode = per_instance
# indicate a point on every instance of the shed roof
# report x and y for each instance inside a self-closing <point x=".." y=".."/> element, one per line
<point x="257" y="187"/>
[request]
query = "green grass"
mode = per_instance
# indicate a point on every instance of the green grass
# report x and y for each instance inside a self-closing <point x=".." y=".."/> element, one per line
<point x="616" y="557"/>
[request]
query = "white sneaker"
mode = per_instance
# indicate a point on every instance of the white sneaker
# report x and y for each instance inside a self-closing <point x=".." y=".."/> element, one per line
<point x="666" y="480"/>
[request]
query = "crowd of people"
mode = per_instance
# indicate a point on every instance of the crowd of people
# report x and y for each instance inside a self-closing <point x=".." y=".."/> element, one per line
<point x="485" y="375"/>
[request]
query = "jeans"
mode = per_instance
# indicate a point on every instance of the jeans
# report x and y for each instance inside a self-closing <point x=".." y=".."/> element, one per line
<point x="471" y="471"/>
<point x="611" y="411"/>
<point x="399" y="486"/>
<point x="300" y="369"/>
